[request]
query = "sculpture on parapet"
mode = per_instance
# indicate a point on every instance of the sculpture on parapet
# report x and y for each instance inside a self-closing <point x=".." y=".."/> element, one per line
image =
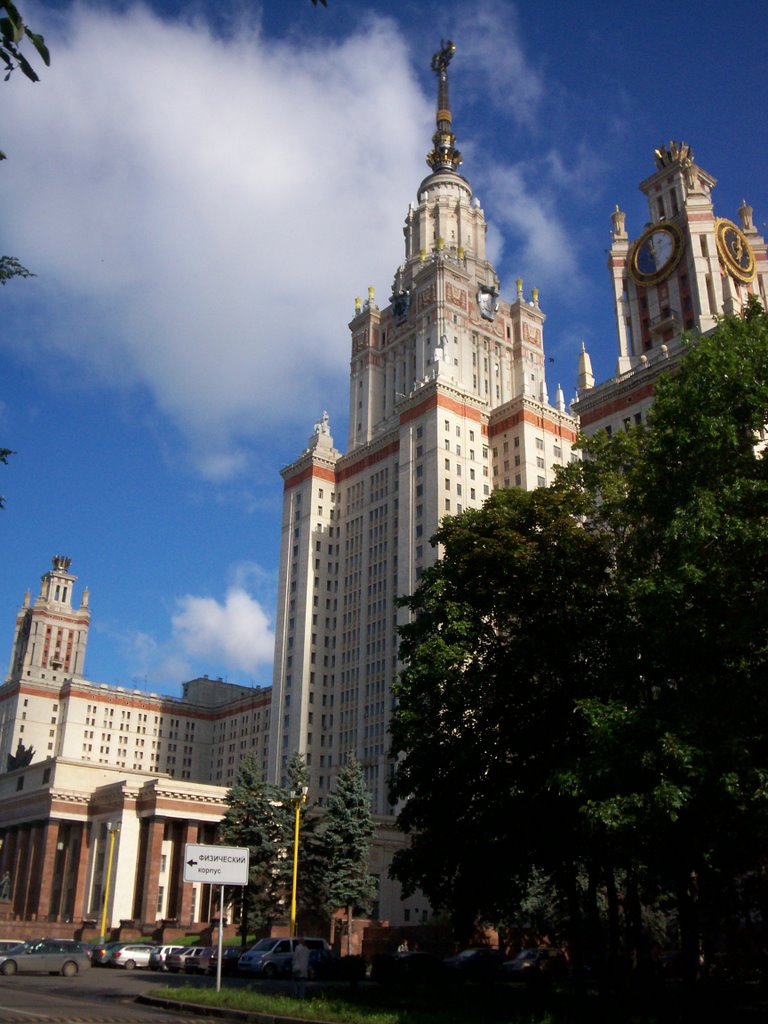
<point x="21" y="758"/>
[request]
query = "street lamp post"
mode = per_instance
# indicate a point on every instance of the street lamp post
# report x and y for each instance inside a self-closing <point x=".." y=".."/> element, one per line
<point x="112" y="829"/>
<point x="299" y="796"/>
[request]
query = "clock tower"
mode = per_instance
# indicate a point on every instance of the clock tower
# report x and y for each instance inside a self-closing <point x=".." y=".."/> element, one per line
<point x="683" y="270"/>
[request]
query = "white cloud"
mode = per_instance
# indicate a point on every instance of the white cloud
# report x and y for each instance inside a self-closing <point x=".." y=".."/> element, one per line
<point x="236" y="634"/>
<point x="544" y="252"/>
<point x="198" y="211"/>
<point x="490" y="47"/>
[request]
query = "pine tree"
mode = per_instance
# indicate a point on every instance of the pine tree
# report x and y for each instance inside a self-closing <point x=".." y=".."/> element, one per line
<point x="346" y="833"/>
<point x="309" y="899"/>
<point x="258" y="817"/>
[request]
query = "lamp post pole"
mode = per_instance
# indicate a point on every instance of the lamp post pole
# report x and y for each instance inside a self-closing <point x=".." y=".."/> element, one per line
<point x="300" y="796"/>
<point x="112" y="829"/>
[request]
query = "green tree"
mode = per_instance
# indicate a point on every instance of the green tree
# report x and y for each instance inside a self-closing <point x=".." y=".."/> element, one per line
<point x="511" y="627"/>
<point x="584" y="694"/>
<point x="309" y="895"/>
<point x="696" y="569"/>
<point x="261" y="816"/>
<point x="345" y="836"/>
<point x="258" y="818"/>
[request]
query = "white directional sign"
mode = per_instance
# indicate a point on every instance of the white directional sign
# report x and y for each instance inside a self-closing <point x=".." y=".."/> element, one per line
<point x="217" y="865"/>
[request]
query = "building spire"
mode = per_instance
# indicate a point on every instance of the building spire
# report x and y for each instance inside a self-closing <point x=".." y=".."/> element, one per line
<point x="444" y="156"/>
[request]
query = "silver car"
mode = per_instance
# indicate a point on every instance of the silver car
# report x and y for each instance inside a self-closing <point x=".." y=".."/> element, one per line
<point x="158" y="957"/>
<point x="132" y="954"/>
<point x="48" y="956"/>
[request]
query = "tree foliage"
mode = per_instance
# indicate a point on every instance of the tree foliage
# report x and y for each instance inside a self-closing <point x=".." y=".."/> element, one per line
<point x="5" y="453"/>
<point x="261" y="817"/>
<point x="257" y="818"/>
<point x="584" y="694"/>
<point x="13" y="33"/>
<point x="10" y="267"/>
<point x="345" y="836"/>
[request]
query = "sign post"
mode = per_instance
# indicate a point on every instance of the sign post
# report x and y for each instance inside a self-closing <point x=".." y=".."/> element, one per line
<point x="217" y="865"/>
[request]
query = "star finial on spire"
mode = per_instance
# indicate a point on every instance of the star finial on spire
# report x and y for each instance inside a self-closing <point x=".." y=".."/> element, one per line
<point x="444" y="156"/>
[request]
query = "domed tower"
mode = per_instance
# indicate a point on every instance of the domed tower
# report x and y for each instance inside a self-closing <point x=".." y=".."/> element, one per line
<point x="51" y="636"/>
<point x="447" y="401"/>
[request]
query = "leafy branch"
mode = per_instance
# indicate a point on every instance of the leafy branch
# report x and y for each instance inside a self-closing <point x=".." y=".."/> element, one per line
<point x="10" y="267"/>
<point x="13" y="32"/>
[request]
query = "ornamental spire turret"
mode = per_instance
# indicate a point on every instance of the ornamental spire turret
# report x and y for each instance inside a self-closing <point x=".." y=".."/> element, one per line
<point x="444" y="156"/>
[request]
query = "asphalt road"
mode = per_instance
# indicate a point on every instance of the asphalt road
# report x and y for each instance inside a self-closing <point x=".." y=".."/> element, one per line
<point x="99" y="995"/>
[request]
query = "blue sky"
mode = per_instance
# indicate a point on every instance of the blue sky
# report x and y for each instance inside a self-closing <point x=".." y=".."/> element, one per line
<point x="203" y="189"/>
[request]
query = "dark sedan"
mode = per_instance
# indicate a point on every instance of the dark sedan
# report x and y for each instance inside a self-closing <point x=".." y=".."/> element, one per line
<point x="479" y="963"/>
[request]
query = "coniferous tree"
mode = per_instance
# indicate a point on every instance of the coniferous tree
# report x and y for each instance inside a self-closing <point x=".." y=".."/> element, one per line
<point x="309" y="898"/>
<point x="346" y="833"/>
<point x="257" y="817"/>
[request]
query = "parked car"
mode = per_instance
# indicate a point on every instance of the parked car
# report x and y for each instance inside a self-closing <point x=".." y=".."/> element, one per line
<point x="412" y="967"/>
<point x="273" y="957"/>
<point x="47" y="956"/>
<point x="479" y="963"/>
<point x="102" y="952"/>
<point x="8" y="944"/>
<point x="132" y="954"/>
<point x="534" y="963"/>
<point x="198" y="960"/>
<point x="159" y="954"/>
<point x="175" y="961"/>
<point x="230" y="957"/>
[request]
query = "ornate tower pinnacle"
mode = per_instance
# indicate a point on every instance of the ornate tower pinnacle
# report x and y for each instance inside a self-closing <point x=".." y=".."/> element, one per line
<point x="444" y="156"/>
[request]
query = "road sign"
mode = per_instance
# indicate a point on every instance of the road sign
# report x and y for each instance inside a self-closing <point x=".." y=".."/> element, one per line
<point x="216" y="865"/>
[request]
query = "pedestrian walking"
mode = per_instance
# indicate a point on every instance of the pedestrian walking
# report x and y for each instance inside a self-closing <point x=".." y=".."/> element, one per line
<point x="300" y="970"/>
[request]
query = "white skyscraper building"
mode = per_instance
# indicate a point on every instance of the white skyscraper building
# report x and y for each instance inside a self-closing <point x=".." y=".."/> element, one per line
<point x="447" y="401"/>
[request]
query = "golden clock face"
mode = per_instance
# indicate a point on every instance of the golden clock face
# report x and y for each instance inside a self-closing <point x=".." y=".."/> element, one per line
<point x="656" y="253"/>
<point x="735" y="251"/>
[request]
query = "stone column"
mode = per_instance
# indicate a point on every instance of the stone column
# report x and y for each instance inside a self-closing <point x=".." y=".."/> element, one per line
<point x="81" y="850"/>
<point x="45" y="838"/>
<point x="20" y="872"/>
<point x="189" y="834"/>
<point x="150" y="870"/>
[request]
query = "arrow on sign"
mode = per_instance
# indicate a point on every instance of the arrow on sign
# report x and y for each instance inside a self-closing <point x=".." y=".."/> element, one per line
<point x="191" y="863"/>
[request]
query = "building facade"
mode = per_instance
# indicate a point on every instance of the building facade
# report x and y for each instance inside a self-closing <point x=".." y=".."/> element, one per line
<point x="86" y="766"/>
<point x="447" y="401"/>
<point x="686" y="268"/>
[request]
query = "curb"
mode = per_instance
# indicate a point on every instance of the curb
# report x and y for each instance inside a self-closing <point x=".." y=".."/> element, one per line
<point x="204" y="1010"/>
